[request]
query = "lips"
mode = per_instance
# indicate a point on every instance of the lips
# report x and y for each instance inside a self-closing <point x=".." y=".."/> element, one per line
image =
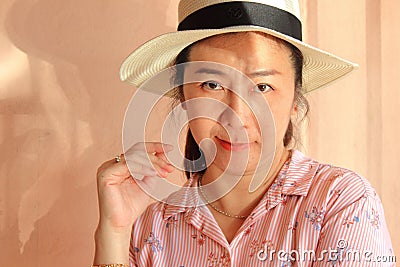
<point x="233" y="146"/>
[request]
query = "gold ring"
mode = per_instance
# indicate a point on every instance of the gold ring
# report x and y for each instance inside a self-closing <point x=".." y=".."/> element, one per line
<point x="118" y="159"/>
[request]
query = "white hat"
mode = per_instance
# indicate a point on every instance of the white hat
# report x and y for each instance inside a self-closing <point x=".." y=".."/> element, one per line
<point x="199" y="19"/>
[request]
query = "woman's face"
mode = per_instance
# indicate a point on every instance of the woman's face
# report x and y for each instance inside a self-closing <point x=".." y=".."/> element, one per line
<point x="267" y="63"/>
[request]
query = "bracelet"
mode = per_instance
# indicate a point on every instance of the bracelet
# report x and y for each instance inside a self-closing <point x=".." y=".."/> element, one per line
<point x="112" y="265"/>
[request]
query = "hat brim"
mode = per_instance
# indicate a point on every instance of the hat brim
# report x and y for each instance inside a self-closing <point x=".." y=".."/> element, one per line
<point x="320" y="67"/>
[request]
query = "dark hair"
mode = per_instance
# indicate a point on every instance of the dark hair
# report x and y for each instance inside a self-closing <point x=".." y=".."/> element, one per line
<point x="292" y="136"/>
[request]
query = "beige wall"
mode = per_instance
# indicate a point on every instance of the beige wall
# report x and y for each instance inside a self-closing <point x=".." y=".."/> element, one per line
<point x="62" y="106"/>
<point x="353" y="123"/>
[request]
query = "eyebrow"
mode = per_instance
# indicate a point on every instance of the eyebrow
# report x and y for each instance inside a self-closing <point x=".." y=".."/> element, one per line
<point x="259" y="73"/>
<point x="263" y="73"/>
<point x="210" y="71"/>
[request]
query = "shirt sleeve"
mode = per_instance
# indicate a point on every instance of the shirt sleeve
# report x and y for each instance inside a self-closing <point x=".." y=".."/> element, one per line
<point x="355" y="232"/>
<point x="132" y="255"/>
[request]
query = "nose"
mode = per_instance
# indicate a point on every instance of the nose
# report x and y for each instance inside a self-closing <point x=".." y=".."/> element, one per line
<point x="237" y="113"/>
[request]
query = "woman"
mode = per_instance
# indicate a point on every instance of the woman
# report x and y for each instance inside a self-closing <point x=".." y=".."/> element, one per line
<point x="302" y="213"/>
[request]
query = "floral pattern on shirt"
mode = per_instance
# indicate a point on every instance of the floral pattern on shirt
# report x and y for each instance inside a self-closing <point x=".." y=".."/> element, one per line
<point x="350" y="221"/>
<point x="322" y="207"/>
<point x="256" y="246"/>
<point x="154" y="243"/>
<point x="373" y="218"/>
<point x="199" y="237"/>
<point x="293" y="227"/>
<point x="316" y="217"/>
<point x="215" y="260"/>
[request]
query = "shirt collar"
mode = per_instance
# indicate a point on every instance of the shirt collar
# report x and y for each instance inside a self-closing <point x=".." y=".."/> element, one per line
<point x="183" y="200"/>
<point x="294" y="179"/>
<point x="300" y="174"/>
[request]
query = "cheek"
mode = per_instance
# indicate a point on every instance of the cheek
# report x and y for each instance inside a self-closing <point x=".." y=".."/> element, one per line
<point x="281" y="110"/>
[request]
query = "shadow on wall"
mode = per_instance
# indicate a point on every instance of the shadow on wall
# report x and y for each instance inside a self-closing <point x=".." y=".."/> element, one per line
<point x="62" y="117"/>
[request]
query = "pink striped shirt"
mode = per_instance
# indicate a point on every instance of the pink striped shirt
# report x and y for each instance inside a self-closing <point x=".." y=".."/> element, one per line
<point x="312" y="215"/>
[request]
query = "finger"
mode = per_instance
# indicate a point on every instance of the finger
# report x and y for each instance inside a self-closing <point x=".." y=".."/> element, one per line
<point x="151" y="161"/>
<point x="112" y="174"/>
<point x="163" y="156"/>
<point x="111" y="163"/>
<point x="169" y="167"/>
<point x="138" y="170"/>
<point x="160" y="164"/>
<point x="161" y="160"/>
<point x="151" y="147"/>
<point x="147" y="182"/>
<point x="106" y="164"/>
<point x="139" y="157"/>
<point x="149" y="165"/>
<point x="158" y="161"/>
<point x="141" y="164"/>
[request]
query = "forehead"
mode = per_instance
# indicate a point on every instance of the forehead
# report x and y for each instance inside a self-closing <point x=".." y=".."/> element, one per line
<point x="245" y="51"/>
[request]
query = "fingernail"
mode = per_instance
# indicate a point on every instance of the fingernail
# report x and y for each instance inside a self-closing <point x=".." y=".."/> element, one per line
<point x="171" y="167"/>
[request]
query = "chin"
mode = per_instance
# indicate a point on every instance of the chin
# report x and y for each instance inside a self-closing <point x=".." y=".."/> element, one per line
<point x="238" y="167"/>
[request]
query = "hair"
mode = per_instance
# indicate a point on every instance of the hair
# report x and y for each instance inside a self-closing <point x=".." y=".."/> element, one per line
<point x="292" y="136"/>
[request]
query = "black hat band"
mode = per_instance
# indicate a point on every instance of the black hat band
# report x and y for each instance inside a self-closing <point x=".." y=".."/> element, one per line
<point x="238" y="13"/>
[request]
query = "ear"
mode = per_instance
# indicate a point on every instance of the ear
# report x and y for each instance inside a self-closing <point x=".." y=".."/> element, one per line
<point x="183" y="101"/>
<point x="183" y="104"/>
<point x="294" y="110"/>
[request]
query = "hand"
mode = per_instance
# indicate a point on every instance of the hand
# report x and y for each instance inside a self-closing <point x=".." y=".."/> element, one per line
<point x="121" y="200"/>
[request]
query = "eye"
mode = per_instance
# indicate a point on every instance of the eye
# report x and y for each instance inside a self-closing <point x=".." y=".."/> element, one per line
<point x="211" y="85"/>
<point x="263" y="88"/>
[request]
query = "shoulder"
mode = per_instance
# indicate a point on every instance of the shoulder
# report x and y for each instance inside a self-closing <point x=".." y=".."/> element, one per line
<point x="342" y="197"/>
<point x="336" y="188"/>
<point x="327" y="185"/>
<point x="342" y="206"/>
<point x="340" y="180"/>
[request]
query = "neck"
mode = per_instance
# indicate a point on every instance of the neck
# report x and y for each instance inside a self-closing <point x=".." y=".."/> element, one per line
<point x="239" y="201"/>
